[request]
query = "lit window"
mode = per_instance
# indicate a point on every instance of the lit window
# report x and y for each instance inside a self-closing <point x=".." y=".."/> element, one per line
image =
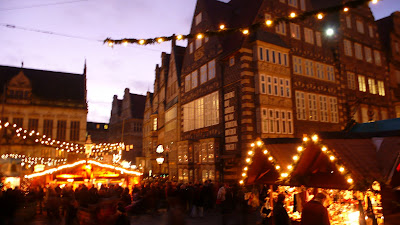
<point x="309" y="35"/>
<point x="333" y="108"/>
<point x="330" y="73"/>
<point x="381" y="88"/>
<point x="297" y="65"/>
<point x="371" y="86"/>
<point x="262" y="84"/>
<point x="199" y="42"/>
<point x="300" y="105"/>
<point x="105" y="127"/>
<point x="154" y="124"/>
<point x="368" y="54"/>
<point x="323" y="108"/>
<point x="194" y="79"/>
<point x="211" y="69"/>
<point x="203" y="74"/>
<point x="361" y="83"/>
<point x="320" y="68"/>
<point x="351" y="81"/>
<point x="187" y="83"/>
<point x="312" y="107"/>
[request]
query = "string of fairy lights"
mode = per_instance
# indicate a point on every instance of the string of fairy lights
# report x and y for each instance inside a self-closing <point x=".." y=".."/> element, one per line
<point x="223" y="30"/>
<point x="286" y="170"/>
<point x="95" y="149"/>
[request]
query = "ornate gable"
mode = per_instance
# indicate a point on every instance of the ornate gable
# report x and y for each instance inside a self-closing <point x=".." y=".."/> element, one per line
<point x="19" y="89"/>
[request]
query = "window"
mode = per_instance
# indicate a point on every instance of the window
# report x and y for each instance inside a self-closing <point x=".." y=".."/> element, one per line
<point x="351" y="81"/>
<point x="191" y="47"/>
<point x="358" y="50"/>
<point x="348" y="21"/>
<point x="320" y="71"/>
<point x="267" y="56"/>
<point x="281" y="87"/>
<point x="267" y="16"/>
<point x="202" y="112"/>
<point x="323" y="108"/>
<point x="287" y="88"/>
<point x="330" y="73"/>
<point x="262" y="84"/>
<point x="371" y="86"/>
<point x="300" y="105"/>
<point x="194" y="79"/>
<point x="360" y="26"/>
<point x="371" y="31"/>
<point x="154" y="124"/>
<point x="309" y="68"/>
<point x="264" y="120"/>
<point x="312" y="107"/>
<point x="275" y="86"/>
<point x="273" y="56"/>
<point x="18" y="121"/>
<point x="198" y="18"/>
<point x="61" y="129"/>
<point x="203" y="74"/>
<point x="377" y="57"/>
<point x="292" y="3"/>
<point x="285" y="59"/>
<point x="303" y="5"/>
<point x="33" y="124"/>
<point x="368" y="54"/>
<point x="271" y="117"/>
<point x="297" y="65"/>
<point x="269" y="85"/>
<point x="210" y="151"/>
<point x="318" y="38"/>
<point x="333" y="110"/>
<point x="309" y="35"/>
<point x="347" y="48"/>
<point x="231" y="61"/>
<point x="261" y="53"/>
<point x="381" y="88"/>
<point x="361" y="83"/>
<point x="198" y="42"/>
<point x="281" y="28"/>
<point x="289" y="119"/>
<point x="187" y="83"/>
<point x="277" y="122"/>
<point x="48" y="128"/>
<point x="74" y="132"/>
<point x="295" y="31"/>
<point x="211" y="69"/>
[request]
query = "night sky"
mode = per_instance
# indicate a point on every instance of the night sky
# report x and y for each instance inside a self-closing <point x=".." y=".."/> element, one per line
<point x="60" y="35"/>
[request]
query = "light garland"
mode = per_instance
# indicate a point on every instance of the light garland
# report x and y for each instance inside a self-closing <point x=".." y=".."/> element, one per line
<point x="319" y="14"/>
<point x="258" y="145"/>
<point x="51" y="171"/>
<point x="34" y="160"/>
<point x="329" y="153"/>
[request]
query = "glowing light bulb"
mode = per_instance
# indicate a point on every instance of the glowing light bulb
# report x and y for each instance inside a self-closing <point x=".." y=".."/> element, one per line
<point x="199" y="36"/>
<point x="246" y="168"/>
<point x="277" y="167"/>
<point x="284" y="175"/>
<point x="270" y="158"/>
<point x="290" y="167"/>
<point x="374" y="1"/>
<point x="160" y="40"/>
<point x="141" y="42"/>
<point x="332" y="157"/>
<point x="268" y="22"/>
<point x="292" y="15"/>
<point x="349" y="180"/>
<point x="345" y="9"/>
<point x="295" y="158"/>
<point x="241" y="182"/>
<point x="110" y="43"/>
<point x="259" y="143"/>
<point x="324" y="149"/>
<point x="179" y="37"/>
<point x="222" y="26"/>
<point x="299" y="149"/>
<point x="248" y="160"/>
<point x="341" y="169"/>
<point x="330" y="32"/>
<point x="125" y="43"/>
<point x="320" y="16"/>
<point x="314" y="138"/>
<point x="243" y="174"/>
<point x="250" y="152"/>
<point x="265" y="152"/>
<point x="245" y="32"/>
<point x="305" y="139"/>
<point x="252" y="144"/>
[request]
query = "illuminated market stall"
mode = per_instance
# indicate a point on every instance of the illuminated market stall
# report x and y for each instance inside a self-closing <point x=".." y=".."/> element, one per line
<point x="346" y="170"/>
<point x="86" y="172"/>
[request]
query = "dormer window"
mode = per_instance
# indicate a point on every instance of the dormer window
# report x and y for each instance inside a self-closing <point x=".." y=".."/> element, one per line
<point x="19" y="89"/>
<point x="198" y="18"/>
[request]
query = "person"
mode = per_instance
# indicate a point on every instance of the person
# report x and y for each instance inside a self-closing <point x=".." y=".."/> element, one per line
<point x="279" y="212"/>
<point x="266" y="212"/>
<point x="314" y="211"/>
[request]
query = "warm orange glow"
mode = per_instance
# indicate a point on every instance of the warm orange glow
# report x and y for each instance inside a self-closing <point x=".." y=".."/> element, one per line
<point x="292" y="15"/>
<point x="68" y="176"/>
<point x="246" y="31"/>
<point x="268" y="22"/>
<point x="320" y="16"/>
<point x="346" y="9"/>
<point x="222" y="26"/>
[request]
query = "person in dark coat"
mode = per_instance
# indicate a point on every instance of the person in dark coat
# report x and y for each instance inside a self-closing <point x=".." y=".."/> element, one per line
<point x="279" y="212"/>
<point x="314" y="211"/>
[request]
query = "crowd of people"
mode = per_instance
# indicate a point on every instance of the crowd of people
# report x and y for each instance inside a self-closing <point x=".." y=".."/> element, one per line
<point x="113" y="204"/>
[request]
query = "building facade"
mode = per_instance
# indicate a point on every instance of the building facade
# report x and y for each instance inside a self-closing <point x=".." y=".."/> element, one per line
<point x="389" y="32"/>
<point x="43" y="102"/>
<point x="278" y="81"/>
<point x="126" y="125"/>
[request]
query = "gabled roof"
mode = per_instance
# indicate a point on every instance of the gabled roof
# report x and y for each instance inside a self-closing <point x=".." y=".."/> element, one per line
<point x="49" y="85"/>
<point x="385" y="27"/>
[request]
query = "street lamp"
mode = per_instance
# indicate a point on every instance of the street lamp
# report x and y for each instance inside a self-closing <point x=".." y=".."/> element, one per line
<point x="160" y="161"/>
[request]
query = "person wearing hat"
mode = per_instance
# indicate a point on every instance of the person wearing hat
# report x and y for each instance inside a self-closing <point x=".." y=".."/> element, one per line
<point x="314" y="211"/>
